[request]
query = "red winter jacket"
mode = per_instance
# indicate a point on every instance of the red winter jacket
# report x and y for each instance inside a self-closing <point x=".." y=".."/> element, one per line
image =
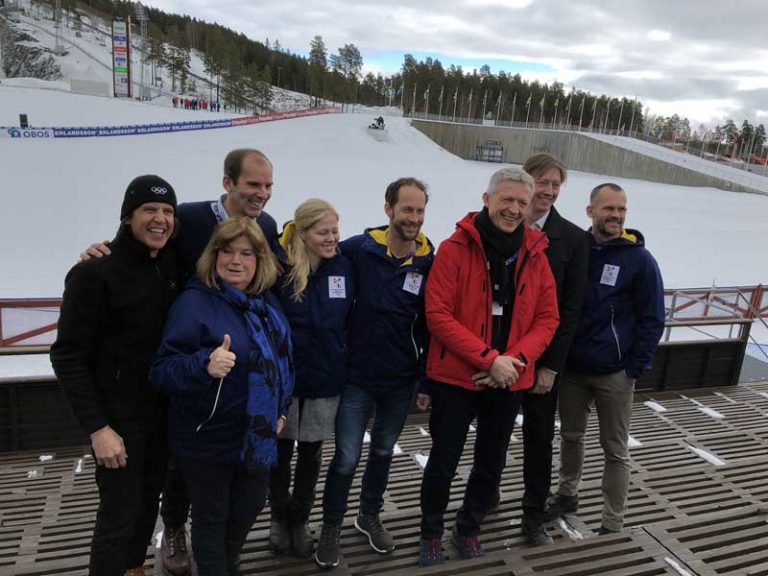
<point x="459" y="308"/>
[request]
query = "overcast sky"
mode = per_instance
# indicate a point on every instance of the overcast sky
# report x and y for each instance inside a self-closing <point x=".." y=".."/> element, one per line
<point x="704" y="59"/>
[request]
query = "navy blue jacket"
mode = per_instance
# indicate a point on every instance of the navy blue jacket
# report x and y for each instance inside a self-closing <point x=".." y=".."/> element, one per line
<point x="197" y="222"/>
<point x="319" y="325"/>
<point x="388" y="334"/>
<point x="622" y="319"/>
<point x="196" y="326"/>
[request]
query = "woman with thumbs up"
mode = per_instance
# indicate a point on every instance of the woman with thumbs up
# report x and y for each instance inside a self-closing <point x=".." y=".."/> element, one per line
<point x="226" y="363"/>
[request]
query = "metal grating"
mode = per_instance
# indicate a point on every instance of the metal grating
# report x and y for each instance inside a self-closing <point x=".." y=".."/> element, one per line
<point x="685" y="513"/>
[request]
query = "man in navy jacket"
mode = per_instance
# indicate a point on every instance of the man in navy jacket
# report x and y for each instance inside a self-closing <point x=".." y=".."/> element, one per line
<point x="387" y="339"/>
<point x="621" y="322"/>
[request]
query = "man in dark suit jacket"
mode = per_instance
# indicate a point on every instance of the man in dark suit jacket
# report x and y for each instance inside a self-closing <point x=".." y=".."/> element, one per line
<point x="568" y="256"/>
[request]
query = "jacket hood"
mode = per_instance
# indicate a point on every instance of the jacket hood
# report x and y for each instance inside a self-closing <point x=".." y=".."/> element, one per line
<point x="628" y="237"/>
<point x="378" y="239"/>
<point x="534" y="241"/>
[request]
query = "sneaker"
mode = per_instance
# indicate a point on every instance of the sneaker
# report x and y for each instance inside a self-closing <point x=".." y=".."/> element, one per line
<point x="327" y="553"/>
<point x="469" y="546"/>
<point x="173" y="551"/>
<point x="430" y="551"/>
<point x="535" y="533"/>
<point x="602" y="531"/>
<point x="558" y="505"/>
<point x="378" y="537"/>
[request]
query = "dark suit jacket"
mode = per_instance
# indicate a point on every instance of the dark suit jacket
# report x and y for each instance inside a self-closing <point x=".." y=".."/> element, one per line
<point x="568" y="256"/>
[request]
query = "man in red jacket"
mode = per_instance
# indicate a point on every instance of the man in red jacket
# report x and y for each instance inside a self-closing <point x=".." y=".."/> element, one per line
<point x="491" y="307"/>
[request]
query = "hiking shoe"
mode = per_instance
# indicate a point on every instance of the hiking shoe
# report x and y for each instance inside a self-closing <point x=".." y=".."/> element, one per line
<point x="469" y="546"/>
<point x="174" y="556"/>
<point x="535" y="533"/>
<point x="301" y="540"/>
<point x="430" y="551"/>
<point x="378" y="537"/>
<point x="602" y="531"/>
<point x="279" y="534"/>
<point x="327" y="553"/>
<point x="558" y="505"/>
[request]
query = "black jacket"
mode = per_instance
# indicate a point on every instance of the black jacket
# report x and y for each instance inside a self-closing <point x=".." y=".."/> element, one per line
<point x="568" y="256"/>
<point x="111" y="321"/>
<point x="197" y="222"/>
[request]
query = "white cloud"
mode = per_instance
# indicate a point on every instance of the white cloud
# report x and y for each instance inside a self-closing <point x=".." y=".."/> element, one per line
<point x="659" y="35"/>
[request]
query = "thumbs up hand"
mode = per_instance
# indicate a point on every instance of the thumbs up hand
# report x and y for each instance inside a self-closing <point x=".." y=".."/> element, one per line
<point x="221" y="359"/>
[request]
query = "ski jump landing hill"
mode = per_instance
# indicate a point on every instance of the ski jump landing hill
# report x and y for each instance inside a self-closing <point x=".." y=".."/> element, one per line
<point x="596" y="153"/>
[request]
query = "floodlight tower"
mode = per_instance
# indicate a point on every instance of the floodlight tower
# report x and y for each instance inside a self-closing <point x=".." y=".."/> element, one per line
<point x="143" y="19"/>
<point x="57" y="14"/>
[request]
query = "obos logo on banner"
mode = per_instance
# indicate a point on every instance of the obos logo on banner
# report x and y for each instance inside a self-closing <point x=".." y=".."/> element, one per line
<point x="32" y="133"/>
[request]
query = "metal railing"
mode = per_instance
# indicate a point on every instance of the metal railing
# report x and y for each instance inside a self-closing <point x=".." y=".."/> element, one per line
<point x="30" y="323"/>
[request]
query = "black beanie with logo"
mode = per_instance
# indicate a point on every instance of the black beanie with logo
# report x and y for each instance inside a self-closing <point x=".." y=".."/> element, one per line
<point x="145" y="189"/>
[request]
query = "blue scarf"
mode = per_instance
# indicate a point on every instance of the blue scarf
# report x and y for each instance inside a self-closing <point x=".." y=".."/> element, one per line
<point x="270" y="375"/>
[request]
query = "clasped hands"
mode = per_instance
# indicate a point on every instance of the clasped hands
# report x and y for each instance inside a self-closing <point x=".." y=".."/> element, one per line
<point x="503" y="373"/>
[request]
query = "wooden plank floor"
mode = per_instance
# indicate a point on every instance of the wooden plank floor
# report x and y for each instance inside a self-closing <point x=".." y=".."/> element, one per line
<point x="698" y="504"/>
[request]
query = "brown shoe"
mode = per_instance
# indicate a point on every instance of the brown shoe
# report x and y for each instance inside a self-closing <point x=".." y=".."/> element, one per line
<point x="173" y="552"/>
<point x="135" y="572"/>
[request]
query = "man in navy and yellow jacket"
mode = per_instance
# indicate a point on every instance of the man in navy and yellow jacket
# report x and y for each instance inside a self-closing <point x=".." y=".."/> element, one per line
<point x="387" y="340"/>
<point x="621" y="322"/>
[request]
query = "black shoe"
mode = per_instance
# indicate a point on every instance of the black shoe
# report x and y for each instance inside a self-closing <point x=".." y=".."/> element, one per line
<point x="327" y="553"/>
<point x="302" y="545"/>
<point x="378" y="537"/>
<point x="535" y="533"/>
<point x="559" y="505"/>
<point x="602" y="531"/>
<point x="279" y="533"/>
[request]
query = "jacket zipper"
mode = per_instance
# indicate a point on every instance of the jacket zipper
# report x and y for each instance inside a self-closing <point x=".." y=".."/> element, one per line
<point x="413" y="338"/>
<point x="215" y="404"/>
<point x="615" y="334"/>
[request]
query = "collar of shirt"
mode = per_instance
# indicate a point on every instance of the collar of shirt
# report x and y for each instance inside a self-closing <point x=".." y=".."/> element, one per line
<point x="539" y="224"/>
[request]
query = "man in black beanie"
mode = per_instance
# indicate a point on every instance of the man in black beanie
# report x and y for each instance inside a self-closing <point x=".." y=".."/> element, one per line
<point x="111" y="321"/>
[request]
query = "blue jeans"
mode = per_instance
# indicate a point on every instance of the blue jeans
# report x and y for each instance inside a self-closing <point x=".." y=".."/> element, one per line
<point x="355" y="409"/>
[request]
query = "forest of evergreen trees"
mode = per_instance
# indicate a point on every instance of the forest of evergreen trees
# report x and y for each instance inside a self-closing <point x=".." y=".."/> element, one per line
<point x="241" y="71"/>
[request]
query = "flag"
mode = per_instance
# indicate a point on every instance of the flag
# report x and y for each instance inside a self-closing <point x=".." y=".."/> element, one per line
<point x="426" y="93"/>
<point x="557" y="100"/>
<point x="528" y="103"/>
<point x="456" y="94"/>
<point x="485" y="98"/>
<point x="514" y="100"/>
<point x="542" y="101"/>
<point x="441" y="94"/>
<point x="470" y="95"/>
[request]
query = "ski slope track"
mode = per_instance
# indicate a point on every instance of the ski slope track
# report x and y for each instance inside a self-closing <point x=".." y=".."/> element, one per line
<point x="60" y="195"/>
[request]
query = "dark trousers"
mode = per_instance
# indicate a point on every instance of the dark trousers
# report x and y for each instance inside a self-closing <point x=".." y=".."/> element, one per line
<point x="453" y="409"/>
<point x="356" y="406"/>
<point x="538" y="433"/>
<point x="226" y="499"/>
<point x="128" y="502"/>
<point x="308" y="460"/>
<point x="175" y="506"/>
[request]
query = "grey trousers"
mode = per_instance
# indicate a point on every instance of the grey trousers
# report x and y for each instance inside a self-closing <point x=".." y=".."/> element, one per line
<point x="611" y="395"/>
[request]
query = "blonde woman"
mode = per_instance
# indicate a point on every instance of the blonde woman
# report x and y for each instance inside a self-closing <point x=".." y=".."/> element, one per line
<point x="316" y="291"/>
<point x="225" y="362"/>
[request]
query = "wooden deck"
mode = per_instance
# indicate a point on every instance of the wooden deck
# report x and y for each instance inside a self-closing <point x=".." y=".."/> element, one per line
<point x="687" y="515"/>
